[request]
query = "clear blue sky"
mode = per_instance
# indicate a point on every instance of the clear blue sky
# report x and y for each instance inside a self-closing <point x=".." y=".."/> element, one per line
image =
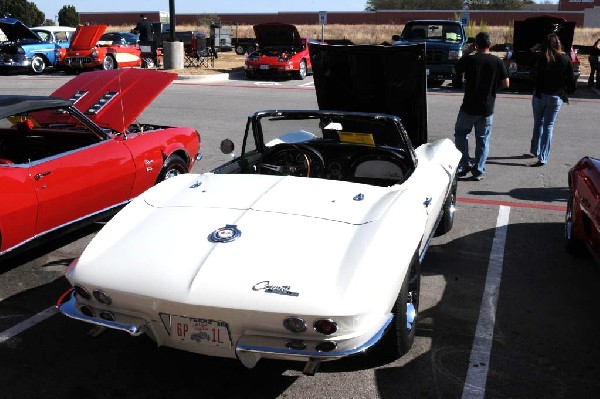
<point x="51" y="7"/>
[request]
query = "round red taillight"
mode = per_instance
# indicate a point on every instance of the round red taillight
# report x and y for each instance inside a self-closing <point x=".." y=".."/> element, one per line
<point x="87" y="311"/>
<point x="325" y="326"/>
<point x="296" y="345"/>
<point x="294" y="324"/>
<point x="106" y="315"/>
<point x="82" y="292"/>
<point x="102" y="297"/>
<point x="326" y="346"/>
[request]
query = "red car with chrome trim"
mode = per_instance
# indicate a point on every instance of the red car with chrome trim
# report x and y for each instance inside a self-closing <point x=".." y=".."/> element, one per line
<point x="281" y="52"/>
<point x="582" y="221"/>
<point x="80" y="154"/>
<point x="86" y="51"/>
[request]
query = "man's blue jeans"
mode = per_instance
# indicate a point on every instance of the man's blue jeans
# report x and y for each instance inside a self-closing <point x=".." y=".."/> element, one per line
<point x="545" y="110"/>
<point x="483" y="129"/>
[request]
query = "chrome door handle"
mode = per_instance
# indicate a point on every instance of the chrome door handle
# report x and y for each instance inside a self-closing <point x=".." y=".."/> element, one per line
<point x="42" y="174"/>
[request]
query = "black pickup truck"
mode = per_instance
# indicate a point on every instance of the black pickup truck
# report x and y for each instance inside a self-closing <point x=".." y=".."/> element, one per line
<point x="444" y="42"/>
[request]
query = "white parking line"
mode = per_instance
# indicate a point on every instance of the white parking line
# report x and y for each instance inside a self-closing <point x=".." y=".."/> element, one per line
<point x="479" y="361"/>
<point x="26" y="324"/>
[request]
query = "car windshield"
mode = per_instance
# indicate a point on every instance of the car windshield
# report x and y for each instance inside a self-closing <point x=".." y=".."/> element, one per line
<point x="299" y="126"/>
<point x="438" y="32"/>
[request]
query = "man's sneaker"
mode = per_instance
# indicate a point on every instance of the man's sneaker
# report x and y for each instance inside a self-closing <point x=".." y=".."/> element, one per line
<point x="462" y="170"/>
<point x="477" y="177"/>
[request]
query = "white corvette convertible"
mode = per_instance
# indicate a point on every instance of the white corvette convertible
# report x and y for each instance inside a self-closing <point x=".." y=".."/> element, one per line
<point x="306" y="246"/>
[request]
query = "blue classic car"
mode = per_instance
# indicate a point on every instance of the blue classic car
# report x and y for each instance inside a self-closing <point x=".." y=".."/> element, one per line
<point x="21" y="48"/>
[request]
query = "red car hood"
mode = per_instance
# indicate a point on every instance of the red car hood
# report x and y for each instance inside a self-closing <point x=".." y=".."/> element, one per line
<point x="115" y="98"/>
<point x="275" y="34"/>
<point x="86" y="36"/>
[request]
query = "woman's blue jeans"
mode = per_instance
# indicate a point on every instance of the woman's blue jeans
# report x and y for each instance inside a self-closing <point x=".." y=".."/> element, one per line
<point x="545" y="110"/>
<point x="483" y="130"/>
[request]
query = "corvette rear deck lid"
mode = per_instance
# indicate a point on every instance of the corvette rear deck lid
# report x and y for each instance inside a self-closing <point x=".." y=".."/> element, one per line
<point x="114" y="99"/>
<point x="375" y="79"/>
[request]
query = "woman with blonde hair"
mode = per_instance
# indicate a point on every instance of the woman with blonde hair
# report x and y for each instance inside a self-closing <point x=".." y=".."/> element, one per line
<point x="553" y="79"/>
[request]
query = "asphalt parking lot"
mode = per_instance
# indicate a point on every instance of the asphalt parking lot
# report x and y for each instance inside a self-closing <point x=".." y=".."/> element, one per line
<point x="505" y="311"/>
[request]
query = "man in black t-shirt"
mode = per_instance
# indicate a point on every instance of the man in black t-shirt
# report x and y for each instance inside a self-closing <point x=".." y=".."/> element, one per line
<point x="144" y="29"/>
<point x="483" y="73"/>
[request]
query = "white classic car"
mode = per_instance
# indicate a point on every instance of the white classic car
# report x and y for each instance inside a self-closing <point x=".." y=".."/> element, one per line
<point x="306" y="246"/>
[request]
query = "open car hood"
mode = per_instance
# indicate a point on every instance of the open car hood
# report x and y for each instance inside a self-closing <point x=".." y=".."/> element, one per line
<point x="115" y="98"/>
<point x="533" y="30"/>
<point x="375" y="79"/>
<point x="17" y="30"/>
<point x="275" y="34"/>
<point x="86" y="36"/>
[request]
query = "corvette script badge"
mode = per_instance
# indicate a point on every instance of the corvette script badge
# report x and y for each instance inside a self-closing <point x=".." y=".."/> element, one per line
<point x="225" y="234"/>
<point x="274" y="289"/>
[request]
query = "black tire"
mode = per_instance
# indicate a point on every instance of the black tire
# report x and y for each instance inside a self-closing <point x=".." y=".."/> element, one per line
<point x="38" y="64"/>
<point x="109" y="63"/>
<point x="240" y="50"/>
<point x="173" y="166"/>
<point x="574" y="245"/>
<point x="301" y="73"/>
<point x="448" y="211"/>
<point x="406" y="310"/>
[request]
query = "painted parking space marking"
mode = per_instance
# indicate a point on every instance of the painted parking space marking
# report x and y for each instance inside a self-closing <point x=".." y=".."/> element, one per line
<point x="479" y="360"/>
<point x="27" y="324"/>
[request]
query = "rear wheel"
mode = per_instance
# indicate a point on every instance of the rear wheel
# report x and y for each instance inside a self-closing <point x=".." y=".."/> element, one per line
<point x="38" y="64"/>
<point x="173" y="166"/>
<point x="574" y="245"/>
<point x="448" y="211"/>
<point x="301" y="73"/>
<point x="109" y="63"/>
<point x="406" y="309"/>
<point x="240" y="50"/>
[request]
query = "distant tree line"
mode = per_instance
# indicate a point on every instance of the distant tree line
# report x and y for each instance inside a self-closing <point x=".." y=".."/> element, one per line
<point x="376" y="5"/>
<point x="28" y="13"/>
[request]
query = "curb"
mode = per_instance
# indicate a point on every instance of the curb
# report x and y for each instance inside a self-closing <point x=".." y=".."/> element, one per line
<point x="219" y="77"/>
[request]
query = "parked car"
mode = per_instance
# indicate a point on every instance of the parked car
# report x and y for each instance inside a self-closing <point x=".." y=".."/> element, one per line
<point x="281" y="52"/>
<point x="60" y="35"/>
<point x="444" y="41"/>
<point x="24" y="50"/>
<point x="80" y="154"/>
<point x="120" y="38"/>
<point x="87" y="52"/>
<point x="582" y="221"/>
<point x="521" y="56"/>
<point x="306" y="246"/>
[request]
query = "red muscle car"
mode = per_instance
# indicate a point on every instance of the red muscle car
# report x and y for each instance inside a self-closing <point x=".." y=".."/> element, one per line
<point x="281" y="52"/>
<point x="80" y="154"/>
<point x="582" y="221"/>
<point x="86" y="51"/>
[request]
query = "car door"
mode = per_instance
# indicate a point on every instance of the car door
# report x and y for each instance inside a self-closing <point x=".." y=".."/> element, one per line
<point x="18" y="206"/>
<point x="78" y="184"/>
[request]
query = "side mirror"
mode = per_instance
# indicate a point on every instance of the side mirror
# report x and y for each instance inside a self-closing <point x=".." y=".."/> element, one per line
<point x="227" y="146"/>
<point x="395" y="38"/>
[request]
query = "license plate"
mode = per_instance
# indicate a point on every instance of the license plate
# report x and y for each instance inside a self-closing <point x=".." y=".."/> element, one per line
<point x="264" y="67"/>
<point x="201" y="331"/>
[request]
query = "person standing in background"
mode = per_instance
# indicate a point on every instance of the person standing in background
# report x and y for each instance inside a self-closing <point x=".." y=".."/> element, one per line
<point x="553" y="79"/>
<point x="144" y="29"/>
<point x="483" y="72"/>
<point x="595" y="65"/>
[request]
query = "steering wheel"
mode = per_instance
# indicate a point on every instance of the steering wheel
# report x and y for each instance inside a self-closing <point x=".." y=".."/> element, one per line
<point x="296" y="159"/>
